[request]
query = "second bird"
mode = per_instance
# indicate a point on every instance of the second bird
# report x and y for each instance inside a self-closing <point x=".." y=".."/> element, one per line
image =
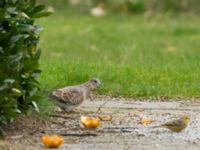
<point x="176" y="125"/>
<point x="69" y="97"/>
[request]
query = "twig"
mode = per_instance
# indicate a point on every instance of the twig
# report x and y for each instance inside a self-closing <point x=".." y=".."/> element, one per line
<point x="116" y="129"/>
<point x="101" y="106"/>
<point x="77" y="134"/>
<point x="120" y="128"/>
<point x="112" y="131"/>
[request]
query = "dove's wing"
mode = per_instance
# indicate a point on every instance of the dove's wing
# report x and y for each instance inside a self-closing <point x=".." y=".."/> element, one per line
<point x="69" y="96"/>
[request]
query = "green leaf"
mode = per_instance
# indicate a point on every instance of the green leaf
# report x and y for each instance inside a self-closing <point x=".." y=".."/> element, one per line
<point x="3" y="119"/>
<point x="2" y="3"/>
<point x="42" y="14"/>
<point x="35" y="81"/>
<point x="14" y="1"/>
<point x="25" y="76"/>
<point x="1" y="50"/>
<point x="2" y="12"/>
<point x="33" y="91"/>
<point x="37" y="54"/>
<point x="4" y="36"/>
<point x="38" y="28"/>
<point x="18" y="111"/>
<point x="16" y="91"/>
<point x="35" y="106"/>
<point x="15" y="58"/>
<point x="12" y="10"/>
<point x="32" y="2"/>
<point x="37" y="9"/>
<point x="36" y="73"/>
<point x="24" y="15"/>
<point x="27" y="27"/>
<point x="16" y="38"/>
<point x="3" y="87"/>
<point x="30" y="28"/>
<point x="9" y="81"/>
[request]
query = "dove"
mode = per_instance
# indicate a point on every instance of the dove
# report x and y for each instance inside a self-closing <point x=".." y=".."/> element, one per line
<point x="69" y="97"/>
<point x="176" y="125"/>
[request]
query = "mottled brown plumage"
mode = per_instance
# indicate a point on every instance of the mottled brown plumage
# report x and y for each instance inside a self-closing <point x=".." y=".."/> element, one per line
<point x="70" y="97"/>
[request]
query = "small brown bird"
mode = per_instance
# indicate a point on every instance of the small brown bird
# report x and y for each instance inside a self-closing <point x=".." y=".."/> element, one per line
<point x="69" y="97"/>
<point x="176" y="125"/>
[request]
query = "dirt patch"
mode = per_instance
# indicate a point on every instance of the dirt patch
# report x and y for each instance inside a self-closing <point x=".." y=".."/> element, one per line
<point x="123" y="132"/>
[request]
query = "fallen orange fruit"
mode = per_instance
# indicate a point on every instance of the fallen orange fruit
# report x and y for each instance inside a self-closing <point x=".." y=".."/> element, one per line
<point x="90" y="122"/>
<point x="53" y="141"/>
<point x="145" y="120"/>
<point x="105" y="118"/>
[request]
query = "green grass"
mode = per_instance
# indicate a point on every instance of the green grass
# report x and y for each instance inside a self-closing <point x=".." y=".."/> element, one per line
<point x="132" y="55"/>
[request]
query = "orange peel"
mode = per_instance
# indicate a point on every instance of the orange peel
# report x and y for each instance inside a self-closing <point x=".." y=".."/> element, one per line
<point x="145" y="120"/>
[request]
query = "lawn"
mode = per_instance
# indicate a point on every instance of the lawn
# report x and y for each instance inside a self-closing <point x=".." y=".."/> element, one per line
<point x="133" y="56"/>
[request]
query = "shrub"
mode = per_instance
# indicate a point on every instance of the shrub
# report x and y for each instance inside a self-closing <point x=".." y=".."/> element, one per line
<point x="19" y="55"/>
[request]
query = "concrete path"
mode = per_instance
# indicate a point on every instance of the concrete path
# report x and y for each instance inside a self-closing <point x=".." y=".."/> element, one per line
<point x="125" y="132"/>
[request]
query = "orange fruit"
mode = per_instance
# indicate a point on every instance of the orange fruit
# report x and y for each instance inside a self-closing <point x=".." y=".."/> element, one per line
<point x="53" y="141"/>
<point x="105" y="118"/>
<point x="90" y="122"/>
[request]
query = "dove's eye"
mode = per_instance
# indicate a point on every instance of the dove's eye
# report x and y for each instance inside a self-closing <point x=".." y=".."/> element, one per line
<point x="95" y="81"/>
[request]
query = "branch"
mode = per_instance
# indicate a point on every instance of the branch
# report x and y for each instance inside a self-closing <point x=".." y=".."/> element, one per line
<point x="78" y="134"/>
